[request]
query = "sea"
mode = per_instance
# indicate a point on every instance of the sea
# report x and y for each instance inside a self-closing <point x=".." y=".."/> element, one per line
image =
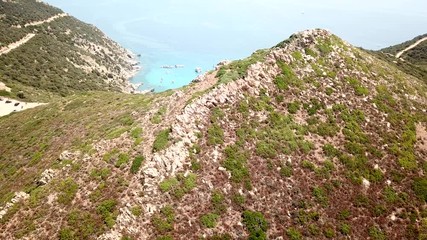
<point x="175" y="37"/>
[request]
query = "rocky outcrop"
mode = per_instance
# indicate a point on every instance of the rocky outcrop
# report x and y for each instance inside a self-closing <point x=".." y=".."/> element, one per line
<point x="46" y="177"/>
<point x="19" y="196"/>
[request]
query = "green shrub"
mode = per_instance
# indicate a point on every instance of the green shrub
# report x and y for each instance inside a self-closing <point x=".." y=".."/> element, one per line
<point x="218" y="202"/>
<point x="136" y="135"/>
<point x="66" y="234"/>
<point x="168" y="184"/>
<point x="345" y="229"/>
<point x="281" y="83"/>
<point x="167" y="237"/>
<point x="238" y="69"/>
<point x="357" y="86"/>
<point x="329" y="233"/>
<point x="314" y="230"/>
<point x="162" y="140"/>
<point x="293" y="107"/>
<point x="265" y="150"/>
<point x="420" y="188"/>
<point x="256" y="224"/>
<point x="324" y="47"/>
<point x="297" y="55"/>
<point x="215" y="135"/>
<point x="83" y="225"/>
<point x="4" y="93"/>
<point x="209" y="220"/>
<point x="68" y="189"/>
<point x="310" y="52"/>
<point x="239" y="199"/>
<point x="293" y="234"/>
<point x="320" y="195"/>
<point x="164" y="221"/>
<point x="157" y="118"/>
<point x="123" y="159"/>
<point x="100" y="174"/>
<point x="106" y="210"/>
<point x="136" y="132"/>
<point x="390" y="195"/>
<point x="136" y="211"/>
<point x="376" y="233"/>
<point x="136" y="164"/>
<point x="344" y="214"/>
<point x="235" y="163"/>
<point x="189" y="182"/>
<point x="180" y="185"/>
<point x="286" y="171"/>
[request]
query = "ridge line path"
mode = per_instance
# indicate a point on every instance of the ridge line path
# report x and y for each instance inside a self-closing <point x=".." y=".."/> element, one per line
<point x="14" y="45"/>
<point x="399" y="54"/>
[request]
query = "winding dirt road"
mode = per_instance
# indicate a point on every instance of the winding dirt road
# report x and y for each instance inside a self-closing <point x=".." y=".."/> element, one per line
<point x="399" y="54"/>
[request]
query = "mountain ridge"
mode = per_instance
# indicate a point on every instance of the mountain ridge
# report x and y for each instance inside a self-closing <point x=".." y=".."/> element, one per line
<point x="312" y="138"/>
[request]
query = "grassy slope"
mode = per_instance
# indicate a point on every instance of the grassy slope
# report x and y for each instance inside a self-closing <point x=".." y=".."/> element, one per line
<point x="32" y="140"/>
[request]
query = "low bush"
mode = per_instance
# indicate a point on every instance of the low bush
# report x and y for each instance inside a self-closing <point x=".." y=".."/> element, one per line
<point x="67" y="191"/>
<point x="162" y="140"/>
<point x="215" y="135"/>
<point x="164" y="221"/>
<point x="136" y="164"/>
<point x="209" y="220"/>
<point x="293" y="234"/>
<point x="256" y="224"/>
<point x="420" y="188"/>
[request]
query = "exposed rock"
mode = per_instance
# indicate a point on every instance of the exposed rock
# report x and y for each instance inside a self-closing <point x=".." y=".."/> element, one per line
<point x="19" y="196"/>
<point x="46" y="177"/>
<point x="67" y="155"/>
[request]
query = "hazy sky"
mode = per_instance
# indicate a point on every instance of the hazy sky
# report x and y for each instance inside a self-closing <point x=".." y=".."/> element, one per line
<point x="367" y="23"/>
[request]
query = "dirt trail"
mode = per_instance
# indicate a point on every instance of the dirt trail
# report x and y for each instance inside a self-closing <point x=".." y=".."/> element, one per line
<point x="399" y="54"/>
<point x="8" y="106"/>
<point x="27" y="38"/>
<point x="14" y="45"/>
<point x="46" y="20"/>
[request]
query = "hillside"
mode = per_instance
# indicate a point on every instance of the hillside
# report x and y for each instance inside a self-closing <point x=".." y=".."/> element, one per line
<point x="46" y="53"/>
<point x="410" y="56"/>
<point x="312" y="138"/>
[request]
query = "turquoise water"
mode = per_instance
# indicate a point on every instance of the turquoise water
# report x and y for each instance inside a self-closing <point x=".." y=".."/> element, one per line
<point x="198" y="33"/>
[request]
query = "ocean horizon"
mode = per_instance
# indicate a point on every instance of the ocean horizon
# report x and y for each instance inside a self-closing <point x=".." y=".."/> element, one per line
<point x="198" y="34"/>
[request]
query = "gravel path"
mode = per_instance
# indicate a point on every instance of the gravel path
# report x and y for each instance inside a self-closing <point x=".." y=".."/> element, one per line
<point x="399" y="54"/>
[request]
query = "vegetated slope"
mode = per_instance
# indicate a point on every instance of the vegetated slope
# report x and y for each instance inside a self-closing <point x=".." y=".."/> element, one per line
<point x="312" y="138"/>
<point x="413" y="61"/>
<point x="65" y="55"/>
